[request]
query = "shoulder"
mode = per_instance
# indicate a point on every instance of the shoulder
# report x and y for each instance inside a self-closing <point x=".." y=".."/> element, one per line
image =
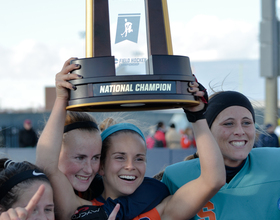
<point x="266" y="155"/>
<point x="176" y="175"/>
<point x="266" y="152"/>
<point x="152" y="182"/>
<point x="184" y="165"/>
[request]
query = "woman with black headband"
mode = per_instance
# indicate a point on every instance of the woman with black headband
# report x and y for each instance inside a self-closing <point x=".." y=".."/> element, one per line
<point x="69" y="151"/>
<point x="252" y="189"/>
<point x="25" y="192"/>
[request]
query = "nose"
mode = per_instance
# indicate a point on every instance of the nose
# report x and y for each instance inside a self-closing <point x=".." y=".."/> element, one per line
<point x="88" y="167"/>
<point x="129" y="165"/>
<point x="239" y="130"/>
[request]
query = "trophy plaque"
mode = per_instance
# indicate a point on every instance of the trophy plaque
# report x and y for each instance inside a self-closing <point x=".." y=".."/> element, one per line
<point x="143" y="73"/>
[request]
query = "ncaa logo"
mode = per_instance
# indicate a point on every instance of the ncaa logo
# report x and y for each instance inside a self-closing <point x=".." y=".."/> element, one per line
<point x="128" y="27"/>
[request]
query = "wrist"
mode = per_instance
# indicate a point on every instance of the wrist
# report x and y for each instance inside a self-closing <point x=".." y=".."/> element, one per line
<point x="195" y="116"/>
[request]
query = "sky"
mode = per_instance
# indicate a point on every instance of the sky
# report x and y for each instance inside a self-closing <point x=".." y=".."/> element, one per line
<point x="37" y="37"/>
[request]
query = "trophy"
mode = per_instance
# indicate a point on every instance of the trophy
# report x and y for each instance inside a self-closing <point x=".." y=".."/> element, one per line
<point x="142" y="74"/>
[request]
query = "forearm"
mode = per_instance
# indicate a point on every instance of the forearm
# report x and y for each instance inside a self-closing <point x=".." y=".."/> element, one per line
<point x="49" y="143"/>
<point x="210" y="157"/>
<point x="192" y="196"/>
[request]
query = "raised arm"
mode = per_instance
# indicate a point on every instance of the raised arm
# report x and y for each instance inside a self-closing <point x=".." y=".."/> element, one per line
<point x="192" y="196"/>
<point x="49" y="146"/>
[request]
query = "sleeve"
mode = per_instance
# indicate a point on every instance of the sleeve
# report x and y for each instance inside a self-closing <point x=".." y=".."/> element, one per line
<point x="168" y="182"/>
<point x="164" y="180"/>
<point x="147" y="196"/>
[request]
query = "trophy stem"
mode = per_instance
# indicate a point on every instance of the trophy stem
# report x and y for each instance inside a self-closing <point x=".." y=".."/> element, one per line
<point x="159" y="37"/>
<point x="167" y="27"/>
<point x="97" y="28"/>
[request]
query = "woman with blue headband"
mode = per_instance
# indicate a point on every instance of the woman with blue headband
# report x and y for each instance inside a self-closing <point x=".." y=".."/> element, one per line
<point x="252" y="189"/>
<point x="78" y="162"/>
<point x="123" y="166"/>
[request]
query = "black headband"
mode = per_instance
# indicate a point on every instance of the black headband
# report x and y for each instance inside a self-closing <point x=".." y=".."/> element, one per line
<point x="80" y="124"/>
<point x="223" y="100"/>
<point x="18" y="178"/>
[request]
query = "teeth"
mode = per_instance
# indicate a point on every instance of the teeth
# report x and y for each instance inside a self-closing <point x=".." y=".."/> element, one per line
<point x="128" y="177"/>
<point x="238" y="143"/>
<point x="82" y="178"/>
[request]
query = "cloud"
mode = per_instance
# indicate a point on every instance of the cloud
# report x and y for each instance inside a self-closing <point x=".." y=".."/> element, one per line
<point x="210" y="38"/>
<point x="28" y="67"/>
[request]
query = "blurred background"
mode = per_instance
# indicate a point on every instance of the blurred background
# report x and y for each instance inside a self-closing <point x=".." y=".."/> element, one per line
<point x="221" y="38"/>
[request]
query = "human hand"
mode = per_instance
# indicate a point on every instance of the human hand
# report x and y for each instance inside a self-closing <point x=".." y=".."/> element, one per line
<point x="62" y="78"/>
<point x="114" y="213"/>
<point x="195" y="113"/>
<point x="20" y="213"/>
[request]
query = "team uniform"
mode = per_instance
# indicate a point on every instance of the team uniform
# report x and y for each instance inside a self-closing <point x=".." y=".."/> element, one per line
<point x="253" y="193"/>
<point x="147" y="196"/>
<point x="152" y="214"/>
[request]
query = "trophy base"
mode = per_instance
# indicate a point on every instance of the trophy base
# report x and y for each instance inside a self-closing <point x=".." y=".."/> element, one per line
<point x="100" y="90"/>
<point x="128" y="104"/>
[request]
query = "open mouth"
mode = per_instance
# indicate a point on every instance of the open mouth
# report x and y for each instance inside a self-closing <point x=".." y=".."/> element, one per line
<point x="84" y="178"/>
<point x="127" y="178"/>
<point x="238" y="143"/>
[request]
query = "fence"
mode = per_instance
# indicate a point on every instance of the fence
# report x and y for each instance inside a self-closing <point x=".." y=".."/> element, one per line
<point x="9" y="137"/>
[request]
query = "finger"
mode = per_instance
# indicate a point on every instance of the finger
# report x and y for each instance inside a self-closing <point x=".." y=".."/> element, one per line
<point x="69" y="77"/>
<point x="193" y="90"/>
<point x="9" y="215"/>
<point x="199" y="93"/>
<point x="66" y="85"/>
<point x="114" y="213"/>
<point x="14" y="214"/>
<point x="69" y="68"/>
<point x="193" y="84"/>
<point x="35" y="199"/>
<point x="5" y="216"/>
<point x="67" y="62"/>
<point x="20" y="213"/>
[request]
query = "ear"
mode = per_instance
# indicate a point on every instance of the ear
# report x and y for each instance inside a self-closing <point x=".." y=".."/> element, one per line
<point x="101" y="170"/>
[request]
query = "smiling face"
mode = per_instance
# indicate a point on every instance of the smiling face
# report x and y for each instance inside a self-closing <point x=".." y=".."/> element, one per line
<point x="45" y="207"/>
<point x="125" y="165"/>
<point x="234" y="132"/>
<point x="80" y="158"/>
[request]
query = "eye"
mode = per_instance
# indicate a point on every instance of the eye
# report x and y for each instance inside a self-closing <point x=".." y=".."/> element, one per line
<point x="49" y="210"/>
<point x="96" y="158"/>
<point x="80" y="157"/>
<point x="228" y="123"/>
<point x="247" y="123"/>
<point x="140" y="159"/>
<point x="119" y="157"/>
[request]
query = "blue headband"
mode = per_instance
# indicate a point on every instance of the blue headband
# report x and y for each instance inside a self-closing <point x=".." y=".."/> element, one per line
<point x="121" y="126"/>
